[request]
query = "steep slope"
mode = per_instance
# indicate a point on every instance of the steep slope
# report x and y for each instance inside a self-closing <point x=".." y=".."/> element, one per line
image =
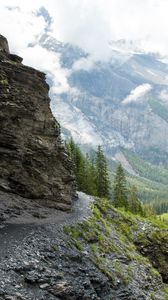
<point x="106" y="255"/>
<point x="33" y="161"/>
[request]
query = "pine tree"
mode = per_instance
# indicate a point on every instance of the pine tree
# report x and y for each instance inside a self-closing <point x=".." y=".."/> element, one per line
<point x="91" y="176"/>
<point x="134" y="204"/>
<point x="84" y="169"/>
<point x="78" y="161"/>
<point x="120" y="189"/>
<point x="102" y="178"/>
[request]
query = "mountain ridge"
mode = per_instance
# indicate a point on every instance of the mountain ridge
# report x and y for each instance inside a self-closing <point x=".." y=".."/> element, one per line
<point x="98" y="94"/>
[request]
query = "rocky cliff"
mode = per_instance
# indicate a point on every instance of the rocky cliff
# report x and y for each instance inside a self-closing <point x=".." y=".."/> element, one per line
<point x="33" y="161"/>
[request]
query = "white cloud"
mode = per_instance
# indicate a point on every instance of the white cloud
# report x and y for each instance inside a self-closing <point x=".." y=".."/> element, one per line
<point x="29" y="28"/>
<point x="137" y="93"/>
<point x="87" y="24"/>
<point x="90" y="24"/>
<point x="48" y="62"/>
<point x="20" y="27"/>
<point x="84" y="63"/>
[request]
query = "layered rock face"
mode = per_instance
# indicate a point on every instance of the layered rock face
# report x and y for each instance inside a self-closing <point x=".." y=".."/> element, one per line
<point x="33" y="161"/>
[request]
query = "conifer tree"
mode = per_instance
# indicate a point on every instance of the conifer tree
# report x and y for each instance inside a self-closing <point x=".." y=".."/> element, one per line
<point x="84" y="169"/>
<point x="134" y="204"/>
<point x="120" y="189"/>
<point x="78" y="160"/>
<point x="91" y="176"/>
<point x="102" y="178"/>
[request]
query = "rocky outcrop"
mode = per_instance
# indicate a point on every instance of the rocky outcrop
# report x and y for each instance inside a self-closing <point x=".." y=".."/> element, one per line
<point x="153" y="243"/>
<point x="33" y="160"/>
<point x="4" y="44"/>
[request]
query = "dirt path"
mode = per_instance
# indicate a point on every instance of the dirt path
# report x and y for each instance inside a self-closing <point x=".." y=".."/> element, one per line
<point x="26" y="250"/>
<point x="16" y="231"/>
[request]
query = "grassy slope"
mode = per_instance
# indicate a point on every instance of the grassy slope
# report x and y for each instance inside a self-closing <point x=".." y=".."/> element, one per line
<point x="152" y="184"/>
<point x="159" y="109"/>
<point x="147" y="170"/>
<point x="114" y="241"/>
<point x="148" y="190"/>
<point x="164" y="217"/>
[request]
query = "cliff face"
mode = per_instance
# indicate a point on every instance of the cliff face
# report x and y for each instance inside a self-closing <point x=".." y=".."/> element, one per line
<point x="33" y="161"/>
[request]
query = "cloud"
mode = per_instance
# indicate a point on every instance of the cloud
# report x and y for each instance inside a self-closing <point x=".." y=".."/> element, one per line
<point x="20" y="27"/>
<point x="48" y="62"/>
<point x="84" y="63"/>
<point x="137" y="93"/>
<point x="90" y="25"/>
<point x="29" y="26"/>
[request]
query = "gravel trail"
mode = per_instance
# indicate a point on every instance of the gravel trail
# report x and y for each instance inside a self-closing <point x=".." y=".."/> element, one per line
<point x="14" y="233"/>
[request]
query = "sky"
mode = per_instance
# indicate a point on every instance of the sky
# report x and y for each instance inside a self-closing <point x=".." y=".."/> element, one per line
<point x="89" y="24"/>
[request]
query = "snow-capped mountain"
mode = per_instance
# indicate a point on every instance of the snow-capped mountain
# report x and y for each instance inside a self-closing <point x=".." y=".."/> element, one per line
<point x="122" y="102"/>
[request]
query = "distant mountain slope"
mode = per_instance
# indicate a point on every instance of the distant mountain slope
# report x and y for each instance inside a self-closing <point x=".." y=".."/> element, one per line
<point x="120" y="103"/>
<point x="150" y="180"/>
<point x="145" y="169"/>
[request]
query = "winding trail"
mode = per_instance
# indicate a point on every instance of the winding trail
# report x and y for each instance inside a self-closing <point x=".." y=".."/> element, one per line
<point x="15" y="232"/>
<point x="26" y="246"/>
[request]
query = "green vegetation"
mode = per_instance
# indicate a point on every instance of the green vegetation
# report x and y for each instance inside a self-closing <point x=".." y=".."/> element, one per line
<point x="160" y="206"/>
<point x="4" y="81"/>
<point x="155" y="156"/>
<point x="96" y="232"/>
<point x="114" y="238"/>
<point x="165" y="291"/>
<point x="91" y="171"/>
<point x="145" y="169"/>
<point x="152" y="184"/>
<point x="134" y="204"/>
<point x="159" y="109"/>
<point x="118" y="230"/>
<point x="120" y="188"/>
<point x="92" y="177"/>
<point x="164" y="217"/>
<point x="124" y="196"/>
<point x="102" y="179"/>
<point x="150" y="191"/>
